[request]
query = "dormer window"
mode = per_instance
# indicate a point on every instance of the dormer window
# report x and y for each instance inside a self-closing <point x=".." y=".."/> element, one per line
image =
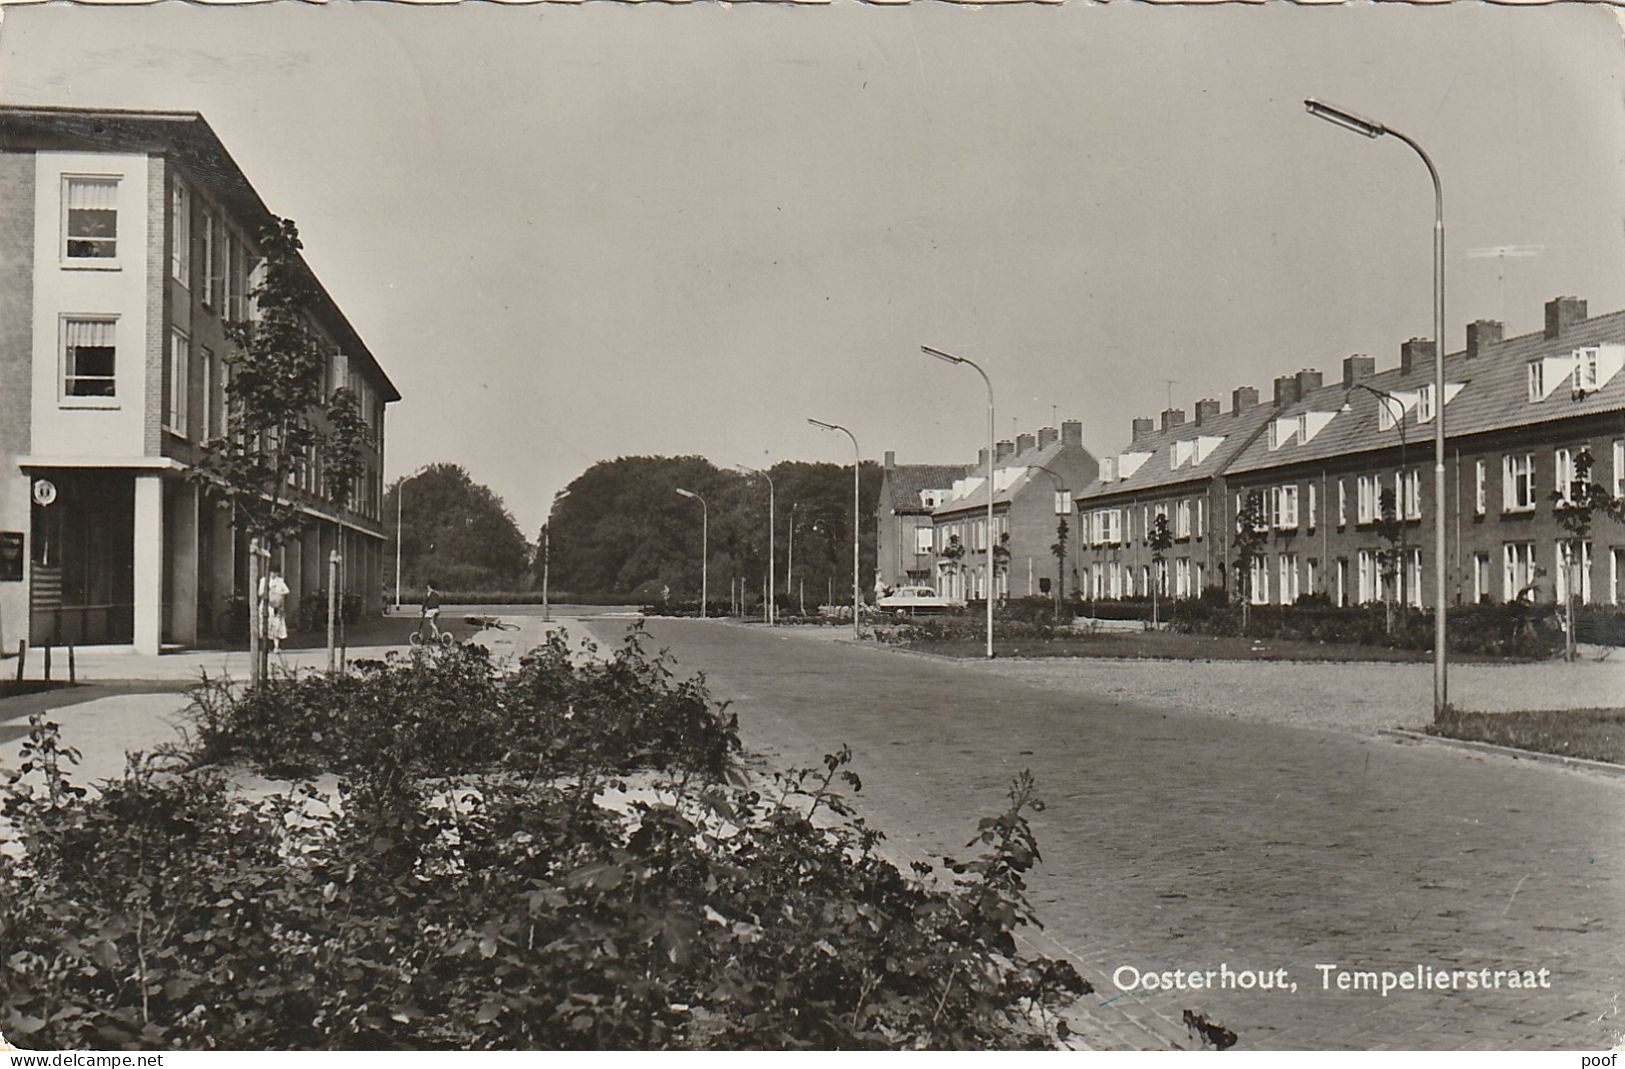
<point x="1108" y="470"/>
<point x="1537" y="380"/>
<point x="1424" y="404"/>
<point x="1585" y="371"/>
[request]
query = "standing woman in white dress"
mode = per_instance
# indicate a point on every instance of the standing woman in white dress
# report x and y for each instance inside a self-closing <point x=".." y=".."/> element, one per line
<point x="275" y="592"/>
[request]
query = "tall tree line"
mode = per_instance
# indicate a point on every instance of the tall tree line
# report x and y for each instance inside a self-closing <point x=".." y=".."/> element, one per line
<point x="623" y="529"/>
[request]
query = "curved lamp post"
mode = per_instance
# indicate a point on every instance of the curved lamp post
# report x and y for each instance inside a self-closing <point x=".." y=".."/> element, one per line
<point x="857" y="597"/>
<point x="992" y="539"/>
<point x="1397" y="407"/>
<point x="1368" y="128"/>
<point x="772" y="604"/>
<point x="705" y="534"/>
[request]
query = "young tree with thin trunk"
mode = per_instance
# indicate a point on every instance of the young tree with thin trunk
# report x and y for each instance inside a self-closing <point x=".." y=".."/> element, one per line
<point x="281" y="419"/>
<point x="1161" y="541"/>
<point x="1059" y="551"/>
<point x="1575" y="510"/>
<point x="1252" y="532"/>
<point x="1391" y="557"/>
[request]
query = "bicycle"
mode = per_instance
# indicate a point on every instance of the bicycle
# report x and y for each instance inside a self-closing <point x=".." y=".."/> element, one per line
<point x="445" y="638"/>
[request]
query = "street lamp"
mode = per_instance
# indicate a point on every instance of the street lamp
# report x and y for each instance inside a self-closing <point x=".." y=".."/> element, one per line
<point x="772" y="601"/>
<point x="1368" y="128"/>
<point x="991" y="539"/>
<point x="857" y="598"/>
<point x="705" y="525"/>
<point x="547" y="553"/>
<point x="400" y="492"/>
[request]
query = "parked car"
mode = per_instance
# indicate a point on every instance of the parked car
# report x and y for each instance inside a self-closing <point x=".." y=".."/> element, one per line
<point x="909" y="600"/>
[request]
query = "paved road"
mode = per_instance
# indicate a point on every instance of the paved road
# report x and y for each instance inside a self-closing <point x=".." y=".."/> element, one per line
<point x="1176" y="840"/>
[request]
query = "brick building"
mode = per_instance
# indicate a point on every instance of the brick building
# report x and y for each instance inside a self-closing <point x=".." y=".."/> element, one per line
<point x="1517" y="412"/>
<point x="1320" y="455"/>
<point x="127" y="240"/>
<point x="1175" y="470"/>
<point x="903" y="528"/>
<point x="1034" y="478"/>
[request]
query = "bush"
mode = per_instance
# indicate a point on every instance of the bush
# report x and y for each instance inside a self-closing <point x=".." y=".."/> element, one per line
<point x="312" y="615"/>
<point x="1517" y="630"/>
<point x="444" y="711"/>
<point x="508" y="912"/>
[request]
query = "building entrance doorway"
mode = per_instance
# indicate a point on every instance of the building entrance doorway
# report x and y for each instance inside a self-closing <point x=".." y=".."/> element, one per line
<point x="82" y="575"/>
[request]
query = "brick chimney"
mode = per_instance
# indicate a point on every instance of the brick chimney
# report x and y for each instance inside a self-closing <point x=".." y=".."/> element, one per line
<point x="1141" y="427"/>
<point x="1242" y="398"/>
<point x="1207" y="410"/>
<point x="891" y="459"/>
<point x="1563" y="313"/>
<point x="981" y="461"/>
<point x="1286" y="390"/>
<point x="1415" y="354"/>
<point x="1358" y="368"/>
<point x="1003" y="451"/>
<point x="1481" y="334"/>
<point x="1172" y="417"/>
<point x="1308" y="381"/>
<point x="1072" y="432"/>
<point x="1047" y="436"/>
<point x="1025" y="443"/>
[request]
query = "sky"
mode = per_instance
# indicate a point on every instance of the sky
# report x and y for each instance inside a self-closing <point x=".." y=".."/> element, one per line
<point x="571" y="233"/>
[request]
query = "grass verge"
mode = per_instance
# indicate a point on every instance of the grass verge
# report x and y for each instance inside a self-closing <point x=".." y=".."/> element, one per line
<point x="1172" y="645"/>
<point x="1592" y="734"/>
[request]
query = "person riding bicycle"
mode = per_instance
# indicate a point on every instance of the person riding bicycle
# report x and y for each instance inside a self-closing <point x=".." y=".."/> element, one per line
<point x="431" y="609"/>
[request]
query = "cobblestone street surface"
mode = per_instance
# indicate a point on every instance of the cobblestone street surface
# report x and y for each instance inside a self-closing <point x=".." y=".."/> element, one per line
<point x="1182" y="840"/>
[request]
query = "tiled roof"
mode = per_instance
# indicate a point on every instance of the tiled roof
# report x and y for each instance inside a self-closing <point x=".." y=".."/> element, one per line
<point x="977" y="495"/>
<point x="905" y="481"/>
<point x="1157" y="471"/>
<point x="1494" y="397"/>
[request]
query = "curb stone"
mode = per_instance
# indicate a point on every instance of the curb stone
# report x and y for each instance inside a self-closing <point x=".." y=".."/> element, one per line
<point x="1606" y="768"/>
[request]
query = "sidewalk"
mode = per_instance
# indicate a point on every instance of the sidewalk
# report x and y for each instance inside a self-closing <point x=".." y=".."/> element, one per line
<point x="104" y="729"/>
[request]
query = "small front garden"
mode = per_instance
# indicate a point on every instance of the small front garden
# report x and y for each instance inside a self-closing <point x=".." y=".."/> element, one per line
<point x="1592" y="734"/>
<point x="1211" y="628"/>
<point x="565" y="856"/>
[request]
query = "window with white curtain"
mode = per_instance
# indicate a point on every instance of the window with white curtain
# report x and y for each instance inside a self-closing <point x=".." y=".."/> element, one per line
<point x="89" y="358"/>
<point x="90" y="218"/>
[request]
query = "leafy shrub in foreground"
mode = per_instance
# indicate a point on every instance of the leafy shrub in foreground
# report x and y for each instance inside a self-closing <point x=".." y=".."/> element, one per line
<point x="504" y="912"/>
<point x="448" y="712"/>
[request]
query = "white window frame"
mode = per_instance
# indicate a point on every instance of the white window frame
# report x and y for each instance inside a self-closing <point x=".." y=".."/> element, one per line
<point x="1563" y="473"/>
<point x="1479" y="477"/>
<point x="206" y="424"/>
<point x="1517" y="568"/>
<point x="1413" y="577"/>
<point x="67" y="399"/>
<point x="1481" y="578"/>
<point x="180" y="252"/>
<point x="924" y="539"/>
<point x="1424" y="404"/>
<point x="1288" y="568"/>
<point x="1408" y="494"/>
<point x="1518" y="482"/>
<point x="1561" y="572"/>
<point x="1342" y="504"/>
<point x="1182" y="518"/>
<point x="178" y="366"/>
<point x="1310" y="569"/>
<point x="1537" y="380"/>
<point x="104" y="263"/>
<point x="1368" y="580"/>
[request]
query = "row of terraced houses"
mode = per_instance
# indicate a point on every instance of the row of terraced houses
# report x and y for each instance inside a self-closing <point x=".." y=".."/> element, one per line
<point x="1316" y="457"/>
<point x="127" y="243"/>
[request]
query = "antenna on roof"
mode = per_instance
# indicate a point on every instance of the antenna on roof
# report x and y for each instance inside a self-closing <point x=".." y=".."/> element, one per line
<point x="1171" y="384"/>
<point x="1502" y="253"/>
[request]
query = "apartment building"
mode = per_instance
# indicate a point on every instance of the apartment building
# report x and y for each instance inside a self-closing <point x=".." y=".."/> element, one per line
<point x="905" y="546"/>
<point x="1517" y="413"/>
<point x="127" y="242"/>
<point x="1034" y="479"/>
<point x="1175" y="471"/>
